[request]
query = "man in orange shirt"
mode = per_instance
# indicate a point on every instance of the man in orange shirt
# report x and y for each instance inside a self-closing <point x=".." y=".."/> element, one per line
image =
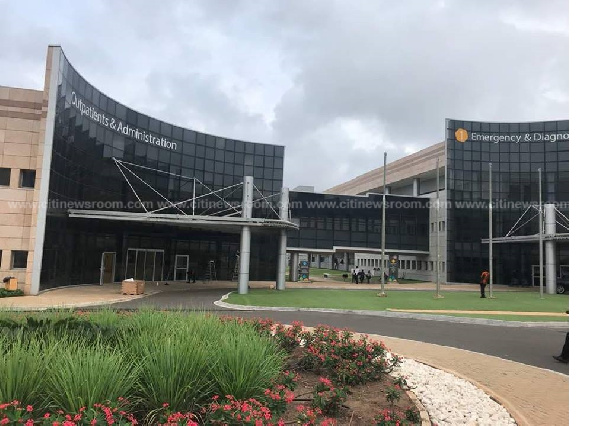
<point x="485" y="276"/>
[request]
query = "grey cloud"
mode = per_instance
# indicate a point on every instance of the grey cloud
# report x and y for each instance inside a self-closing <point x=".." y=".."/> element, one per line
<point x="336" y="82"/>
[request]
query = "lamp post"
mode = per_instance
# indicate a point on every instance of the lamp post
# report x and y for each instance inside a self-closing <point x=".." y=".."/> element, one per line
<point x="437" y="230"/>
<point x="382" y="293"/>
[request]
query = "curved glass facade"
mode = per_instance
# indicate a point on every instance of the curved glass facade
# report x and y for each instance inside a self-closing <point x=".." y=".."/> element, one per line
<point x="516" y="152"/>
<point x="93" y="134"/>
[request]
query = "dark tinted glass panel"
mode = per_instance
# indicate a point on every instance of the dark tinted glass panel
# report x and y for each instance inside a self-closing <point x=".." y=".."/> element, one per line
<point x="516" y="151"/>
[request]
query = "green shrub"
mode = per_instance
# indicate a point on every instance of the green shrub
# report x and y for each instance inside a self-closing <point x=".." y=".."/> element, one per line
<point x="10" y="293"/>
<point x="80" y="374"/>
<point x="246" y="363"/>
<point x="174" y="370"/>
<point x="22" y="368"/>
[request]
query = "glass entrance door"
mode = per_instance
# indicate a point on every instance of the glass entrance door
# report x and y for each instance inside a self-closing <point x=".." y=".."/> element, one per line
<point x="107" y="267"/>
<point x="182" y="263"/>
<point x="144" y="264"/>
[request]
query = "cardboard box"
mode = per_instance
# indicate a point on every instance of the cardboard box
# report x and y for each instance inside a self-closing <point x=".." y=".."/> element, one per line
<point x="133" y="287"/>
<point x="11" y="284"/>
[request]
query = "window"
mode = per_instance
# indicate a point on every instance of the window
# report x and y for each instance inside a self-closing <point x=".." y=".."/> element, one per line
<point x="402" y="264"/>
<point x="4" y="177"/>
<point x="27" y="179"/>
<point x="19" y="259"/>
<point x="431" y="265"/>
<point x="419" y="265"/>
<point x="413" y="264"/>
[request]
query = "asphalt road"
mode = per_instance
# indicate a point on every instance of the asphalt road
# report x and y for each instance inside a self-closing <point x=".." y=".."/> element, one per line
<point x="529" y="345"/>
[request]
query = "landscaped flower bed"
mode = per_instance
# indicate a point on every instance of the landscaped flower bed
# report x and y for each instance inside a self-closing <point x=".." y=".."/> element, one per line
<point x="175" y="368"/>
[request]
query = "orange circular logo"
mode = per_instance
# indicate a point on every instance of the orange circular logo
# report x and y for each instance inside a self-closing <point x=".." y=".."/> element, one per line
<point x="461" y="135"/>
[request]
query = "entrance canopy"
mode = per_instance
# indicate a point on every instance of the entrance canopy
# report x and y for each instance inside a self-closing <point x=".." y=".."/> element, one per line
<point x="214" y="223"/>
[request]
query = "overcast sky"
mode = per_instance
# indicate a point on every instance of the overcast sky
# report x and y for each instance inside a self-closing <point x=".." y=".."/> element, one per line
<point x="336" y="82"/>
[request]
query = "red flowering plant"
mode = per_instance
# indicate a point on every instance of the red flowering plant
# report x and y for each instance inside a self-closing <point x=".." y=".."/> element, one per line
<point x="263" y="326"/>
<point x="328" y="398"/>
<point x="289" y="379"/>
<point x="109" y="413"/>
<point x="229" y="411"/>
<point x="392" y="394"/>
<point x="14" y="413"/>
<point x="344" y="359"/>
<point x="307" y="416"/>
<point x="393" y="418"/>
<point x="167" y="417"/>
<point x="289" y="338"/>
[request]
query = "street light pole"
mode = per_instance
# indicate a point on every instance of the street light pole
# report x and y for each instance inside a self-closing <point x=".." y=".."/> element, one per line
<point x="437" y="229"/>
<point x="541" y="231"/>
<point x="382" y="293"/>
<point x="490" y="229"/>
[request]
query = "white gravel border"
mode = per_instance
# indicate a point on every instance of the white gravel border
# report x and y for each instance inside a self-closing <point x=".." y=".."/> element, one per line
<point x="450" y="400"/>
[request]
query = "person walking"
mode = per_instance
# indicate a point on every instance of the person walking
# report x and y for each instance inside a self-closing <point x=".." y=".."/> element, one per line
<point x="369" y="276"/>
<point x="483" y="280"/>
<point x="361" y="275"/>
<point x="564" y="354"/>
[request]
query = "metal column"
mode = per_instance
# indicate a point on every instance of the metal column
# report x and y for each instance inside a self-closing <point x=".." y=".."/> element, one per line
<point x="550" y="246"/>
<point x="295" y="260"/>
<point x="491" y="238"/>
<point x="382" y="293"/>
<point x="437" y="228"/>
<point x="283" y="215"/>
<point x="541" y="234"/>
<point x="247" y="197"/>
<point x="416" y="187"/>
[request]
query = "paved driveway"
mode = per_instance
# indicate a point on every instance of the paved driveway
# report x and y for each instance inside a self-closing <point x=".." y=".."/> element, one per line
<point x="529" y="345"/>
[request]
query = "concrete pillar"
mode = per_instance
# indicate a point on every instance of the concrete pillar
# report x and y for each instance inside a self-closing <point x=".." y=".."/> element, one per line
<point x="416" y="187"/>
<point x="318" y="260"/>
<point x="550" y="248"/>
<point x="283" y="215"/>
<point x="244" y="274"/>
<point x="346" y="267"/>
<point x="294" y="266"/>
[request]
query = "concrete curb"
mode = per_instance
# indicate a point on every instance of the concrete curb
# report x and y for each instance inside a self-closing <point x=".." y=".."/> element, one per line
<point x="425" y="419"/>
<point x="446" y="318"/>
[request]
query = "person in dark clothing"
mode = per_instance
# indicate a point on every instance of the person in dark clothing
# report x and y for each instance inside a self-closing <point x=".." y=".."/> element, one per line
<point x="368" y="276"/>
<point x="483" y="280"/>
<point x="564" y="354"/>
<point x="355" y="274"/>
<point x="361" y="275"/>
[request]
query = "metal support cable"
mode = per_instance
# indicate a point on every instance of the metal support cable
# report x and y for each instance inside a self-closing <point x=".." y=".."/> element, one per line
<point x="530" y="219"/>
<point x="236" y="186"/>
<point x="158" y="193"/>
<point x="518" y="220"/>
<point x="265" y="198"/>
<point x="215" y="192"/>
<point x="561" y="214"/>
<point x="131" y="186"/>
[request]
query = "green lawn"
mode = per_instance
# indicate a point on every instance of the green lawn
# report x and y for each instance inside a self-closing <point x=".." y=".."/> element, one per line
<point x="368" y="300"/>
<point x="337" y="276"/>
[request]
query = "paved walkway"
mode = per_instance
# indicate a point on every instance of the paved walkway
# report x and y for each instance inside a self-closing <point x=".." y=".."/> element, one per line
<point x="534" y="396"/>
